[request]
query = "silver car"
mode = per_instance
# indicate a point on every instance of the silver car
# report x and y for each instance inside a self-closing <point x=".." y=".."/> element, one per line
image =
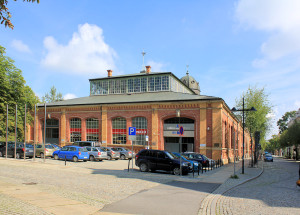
<point x="111" y="154"/>
<point x="96" y="153"/>
<point x="124" y="153"/>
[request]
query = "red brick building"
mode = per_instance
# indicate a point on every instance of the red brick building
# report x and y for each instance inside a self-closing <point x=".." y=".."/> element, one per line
<point x="156" y="104"/>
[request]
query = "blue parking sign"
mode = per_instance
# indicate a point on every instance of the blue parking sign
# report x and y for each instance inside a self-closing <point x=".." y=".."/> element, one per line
<point x="132" y="130"/>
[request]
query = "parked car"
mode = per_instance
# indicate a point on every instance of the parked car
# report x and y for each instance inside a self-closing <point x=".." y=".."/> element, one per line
<point x="148" y="159"/>
<point x="268" y="157"/>
<point x="197" y="157"/>
<point x="211" y="161"/>
<point x="96" y="153"/>
<point x="19" y="150"/>
<point x="111" y="153"/>
<point x="193" y="163"/>
<point x="55" y="146"/>
<point x="40" y="150"/>
<point x="86" y="143"/>
<point x="124" y="153"/>
<point x="74" y="153"/>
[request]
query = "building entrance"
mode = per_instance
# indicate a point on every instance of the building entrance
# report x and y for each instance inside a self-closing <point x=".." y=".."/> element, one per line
<point x="52" y="131"/>
<point x="171" y="134"/>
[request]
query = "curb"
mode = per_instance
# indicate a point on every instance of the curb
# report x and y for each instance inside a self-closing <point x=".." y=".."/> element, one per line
<point x="208" y="205"/>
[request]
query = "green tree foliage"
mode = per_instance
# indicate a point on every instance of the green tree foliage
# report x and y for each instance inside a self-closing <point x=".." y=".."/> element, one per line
<point x="255" y="120"/>
<point x="52" y="96"/>
<point x="13" y="91"/>
<point x="5" y="15"/>
<point x="282" y="123"/>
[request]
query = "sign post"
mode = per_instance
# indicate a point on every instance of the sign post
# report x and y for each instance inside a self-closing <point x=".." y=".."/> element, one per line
<point x="132" y="137"/>
<point x="181" y="132"/>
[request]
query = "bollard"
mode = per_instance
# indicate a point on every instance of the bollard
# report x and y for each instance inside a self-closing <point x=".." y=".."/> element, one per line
<point x="199" y="167"/>
<point x="202" y="169"/>
<point x="65" y="160"/>
<point x="193" y="170"/>
<point x="128" y="164"/>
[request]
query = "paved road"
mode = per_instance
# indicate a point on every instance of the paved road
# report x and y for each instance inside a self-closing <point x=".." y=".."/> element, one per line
<point x="274" y="192"/>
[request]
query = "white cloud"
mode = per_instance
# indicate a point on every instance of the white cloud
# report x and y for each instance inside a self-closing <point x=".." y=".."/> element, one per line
<point x="69" y="96"/>
<point x="20" y="46"/>
<point x="85" y="54"/>
<point x="278" y="17"/>
<point x="156" y="66"/>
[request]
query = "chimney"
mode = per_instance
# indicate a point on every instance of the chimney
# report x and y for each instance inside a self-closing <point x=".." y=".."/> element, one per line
<point x="148" y="69"/>
<point x="109" y="73"/>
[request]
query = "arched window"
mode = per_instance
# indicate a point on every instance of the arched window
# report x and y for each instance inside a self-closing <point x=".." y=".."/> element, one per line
<point x="140" y="123"/>
<point x="119" y="130"/>
<point x="75" y="129"/>
<point x="92" y="129"/>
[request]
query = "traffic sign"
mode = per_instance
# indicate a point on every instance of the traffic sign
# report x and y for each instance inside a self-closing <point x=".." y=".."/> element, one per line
<point x="181" y="131"/>
<point x="132" y="131"/>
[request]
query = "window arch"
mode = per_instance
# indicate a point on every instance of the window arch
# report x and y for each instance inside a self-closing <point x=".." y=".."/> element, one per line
<point x="75" y="129"/>
<point x="119" y="130"/>
<point x="140" y="123"/>
<point x="92" y="129"/>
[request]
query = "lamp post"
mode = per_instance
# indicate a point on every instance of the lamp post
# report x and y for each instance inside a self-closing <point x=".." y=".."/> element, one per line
<point x="180" y="141"/>
<point x="243" y="110"/>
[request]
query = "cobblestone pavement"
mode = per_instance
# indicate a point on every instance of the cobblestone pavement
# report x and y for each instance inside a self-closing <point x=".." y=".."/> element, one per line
<point x="9" y="205"/>
<point x="93" y="184"/>
<point x="274" y="192"/>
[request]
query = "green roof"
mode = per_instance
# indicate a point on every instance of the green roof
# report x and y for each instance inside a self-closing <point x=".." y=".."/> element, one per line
<point x="132" y="98"/>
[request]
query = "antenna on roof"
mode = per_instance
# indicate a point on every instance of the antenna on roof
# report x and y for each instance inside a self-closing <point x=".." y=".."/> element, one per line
<point x="143" y="67"/>
<point x="187" y="69"/>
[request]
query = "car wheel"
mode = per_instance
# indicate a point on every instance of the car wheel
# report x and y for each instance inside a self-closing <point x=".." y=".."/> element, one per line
<point x="92" y="158"/>
<point x="55" y="157"/>
<point x="116" y="159"/>
<point x="42" y="155"/>
<point x="75" y="159"/>
<point x="109" y="157"/>
<point x="144" y="167"/>
<point x="176" y="171"/>
<point x="123" y="157"/>
<point x="84" y="160"/>
<point x="18" y="156"/>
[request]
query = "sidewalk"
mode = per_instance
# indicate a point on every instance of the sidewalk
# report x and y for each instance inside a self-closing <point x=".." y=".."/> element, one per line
<point x="211" y="204"/>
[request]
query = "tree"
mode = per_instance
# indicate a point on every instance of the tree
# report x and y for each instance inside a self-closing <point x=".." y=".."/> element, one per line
<point x="52" y="96"/>
<point x="13" y="91"/>
<point x="5" y="15"/>
<point x="256" y="120"/>
<point x="282" y="123"/>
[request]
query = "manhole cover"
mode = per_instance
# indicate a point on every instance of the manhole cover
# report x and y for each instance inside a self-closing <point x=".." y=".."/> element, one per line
<point x="30" y="183"/>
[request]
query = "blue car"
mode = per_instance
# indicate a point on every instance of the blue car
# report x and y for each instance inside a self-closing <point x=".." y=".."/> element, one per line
<point x="74" y="153"/>
<point x="268" y="157"/>
<point x="195" y="163"/>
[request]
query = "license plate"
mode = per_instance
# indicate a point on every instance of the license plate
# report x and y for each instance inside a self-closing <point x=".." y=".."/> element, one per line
<point x="85" y="157"/>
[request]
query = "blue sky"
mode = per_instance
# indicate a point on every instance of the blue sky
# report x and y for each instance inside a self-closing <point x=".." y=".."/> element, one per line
<point x="228" y="44"/>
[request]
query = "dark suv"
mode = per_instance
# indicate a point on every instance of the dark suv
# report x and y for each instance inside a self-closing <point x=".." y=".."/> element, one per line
<point x="19" y="150"/>
<point x="148" y="159"/>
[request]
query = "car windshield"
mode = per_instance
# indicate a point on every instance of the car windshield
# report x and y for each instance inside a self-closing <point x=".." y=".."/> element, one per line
<point x="83" y="149"/>
<point x="104" y="149"/>
<point x="205" y="157"/>
<point x="49" y="147"/>
<point x="185" y="156"/>
<point x="171" y="155"/>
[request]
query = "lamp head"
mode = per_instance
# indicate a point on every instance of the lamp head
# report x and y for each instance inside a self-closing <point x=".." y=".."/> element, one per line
<point x="233" y="109"/>
<point x="253" y="109"/>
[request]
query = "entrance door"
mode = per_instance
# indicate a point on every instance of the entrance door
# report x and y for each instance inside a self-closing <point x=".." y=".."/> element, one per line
<point x="172" y="144"/>
<point x="52" y="131"/>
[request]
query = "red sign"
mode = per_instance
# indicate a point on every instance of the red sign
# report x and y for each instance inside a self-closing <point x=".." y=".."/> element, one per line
<point x="141" y="131"/>
<point x="75" y="129"/>
<point x="119" y="131"/>
<point x="92" y="130"/>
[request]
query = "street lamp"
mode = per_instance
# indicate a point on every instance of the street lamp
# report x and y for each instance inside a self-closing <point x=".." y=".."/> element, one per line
<point x="243" y="110"/>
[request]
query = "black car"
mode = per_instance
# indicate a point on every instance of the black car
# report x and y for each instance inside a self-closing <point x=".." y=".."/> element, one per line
<point x="19" y="150"/>
<point x="148" y="159"/>
<point x="197" y="157"/>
